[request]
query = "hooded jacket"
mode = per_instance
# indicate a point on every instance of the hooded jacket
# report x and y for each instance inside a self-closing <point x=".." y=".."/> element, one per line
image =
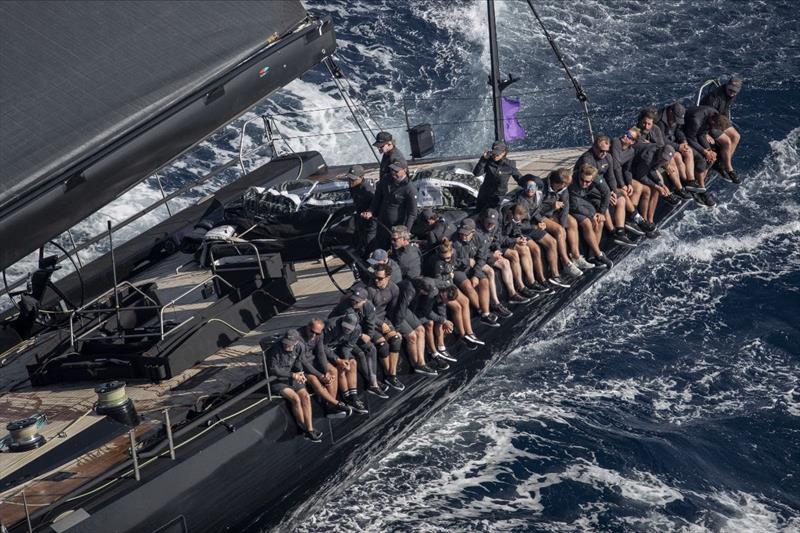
<point x="622" y="158"/>
<point x="604" y="166"/>
<point x="696" y="126"/>
<point x="589" y="201"/>
<point x="495" y="179"/>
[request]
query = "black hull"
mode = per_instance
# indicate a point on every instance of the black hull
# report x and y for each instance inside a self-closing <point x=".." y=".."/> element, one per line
<point x="262" y="476"/>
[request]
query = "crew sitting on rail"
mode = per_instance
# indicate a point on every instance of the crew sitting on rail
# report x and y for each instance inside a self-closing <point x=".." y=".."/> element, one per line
<point x="671" y="120"/>
<point x="362" y="192"/>
<point x="502" y="258"/>
<point x="384" y="296"/>
<point x="318" y="364"/>
<point x="441" y="268"/>
<point x="651" y="134"/>
<point x="518" y="226"/>
<point x="496" y="169"/>
<point x="430" y="307"/>
<point x="370" y="343"/>
<point x="634" y="192"/>
<point x="469" y="275"/>
<point x="722" y="99"/>
<point x="647" y="167"/>
<point x="588" y="201"/>
<point x="344" y="331"/>
<point x="283" y="362"/>
<point x="705" y="131"/>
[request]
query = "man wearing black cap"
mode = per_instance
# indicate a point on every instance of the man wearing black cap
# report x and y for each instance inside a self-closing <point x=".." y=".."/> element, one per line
<point x="385" y="144"/>
<point x="430" y="306"/>
<point x="671" y="121"/>
<point x="469" y="275"/>
<point x="722" y="99"/>
<point x="380" y="256"/>
<point x="318" y="363"/>
<point x="496" y="170"/>
<point x="431" y="229"/>
<point x="395" y="203"/>
<point x="705" y="132"/>
<point x="384" y="296"/>
<point x="343" y="331"/>
<point x="506" y="260"/>
<point x="362" y="193"/>
<point x="651" y="133"/>
<point x="283" y="362"/>
<point x="648" y="164"/>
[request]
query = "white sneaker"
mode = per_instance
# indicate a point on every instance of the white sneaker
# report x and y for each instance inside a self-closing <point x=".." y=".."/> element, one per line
<point x="583" y="264"/>
<point x="573" y="270"/>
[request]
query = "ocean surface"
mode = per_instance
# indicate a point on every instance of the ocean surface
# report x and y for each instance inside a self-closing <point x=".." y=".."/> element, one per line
<point x="667" y="397"/>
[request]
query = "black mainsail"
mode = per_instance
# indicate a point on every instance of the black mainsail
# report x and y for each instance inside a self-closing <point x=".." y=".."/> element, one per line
<point x="96" y="96"/>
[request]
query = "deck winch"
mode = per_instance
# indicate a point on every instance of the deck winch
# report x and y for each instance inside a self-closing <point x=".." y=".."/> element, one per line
<point x="113" y="401"/>
<point x="24" y="434"/>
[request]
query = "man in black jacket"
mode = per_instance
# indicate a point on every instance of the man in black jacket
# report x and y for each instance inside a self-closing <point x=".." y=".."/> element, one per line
<point x="722" y="99"/>
<point x="385" y="144"/>
<point x="430" y="229"/>
<point x="283" y="362"/>
<point x="554" y="212"/>
<point x="647" y="167"/>
<point x="651" y="133"/>
<point x="503" y="257"/>
<point x="362" y="192"/>
<point x="318" y="364"/>
<point x="671" y="120"/>
<point x="430" y="306"/>
<point x="588" y="201"/>
<point x="705" y="132"/>
<point x="394" y="203"/>
<point x="469" y="275"/>
<point x="496" y="170"/>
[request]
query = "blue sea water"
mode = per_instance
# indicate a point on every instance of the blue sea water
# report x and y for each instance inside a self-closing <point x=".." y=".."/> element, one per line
<point x="667" y="397"/>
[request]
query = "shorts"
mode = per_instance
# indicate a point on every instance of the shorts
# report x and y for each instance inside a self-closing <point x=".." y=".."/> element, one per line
<point x="408" y="324"/>
<point x="536" y="234"/>
<point x="715" y="134"/>
<point x="700" y="163"/>
<point x="283" y="384"/>
<point x="460" y="277"/>
<point x="579" y="217"/>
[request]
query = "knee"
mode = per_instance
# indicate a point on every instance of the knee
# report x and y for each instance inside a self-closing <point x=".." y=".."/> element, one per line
<point x="723" y="141"/>
<point x="395" y="343"/>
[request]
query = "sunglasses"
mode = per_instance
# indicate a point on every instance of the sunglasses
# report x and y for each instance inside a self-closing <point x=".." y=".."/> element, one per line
<point x="629" y="136"/>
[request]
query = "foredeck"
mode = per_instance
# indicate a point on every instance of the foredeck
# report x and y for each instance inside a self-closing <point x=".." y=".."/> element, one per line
<point x="69" y="408"/>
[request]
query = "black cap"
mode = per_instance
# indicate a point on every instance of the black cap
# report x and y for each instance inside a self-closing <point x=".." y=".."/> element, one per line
<point x="358" y="294"/>
<point x="679" y="112"/>
<point x="498" y="147"/>
<point x="290" y="338"/>
<point x="491" y="215"/>
<point x="349" y="322"/>
<point x="666" y="153"/>
<point x="396" y="167"/>
<point x="379" y="255"/>
<point x="467" y="226"/>
<point x="428" y="213"/>
<point x="355" y="172"/>
<point x="382" y="138"/>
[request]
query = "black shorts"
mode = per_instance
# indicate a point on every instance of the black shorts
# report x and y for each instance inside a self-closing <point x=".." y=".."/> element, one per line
<point x="460" y="277"/>
<point x="700" y="163"/>
<point x="290" y="383"/>
<point x="536" y="234"/>
<point x="408" y="324"/>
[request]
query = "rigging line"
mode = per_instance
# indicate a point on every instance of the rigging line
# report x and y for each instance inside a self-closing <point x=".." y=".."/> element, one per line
<point x="329" y="64"/>
<point x="361" y="104"/>
<point x="580" y="94"/>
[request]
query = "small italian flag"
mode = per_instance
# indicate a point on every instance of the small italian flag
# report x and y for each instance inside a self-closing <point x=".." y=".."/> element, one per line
<point x="263" y="71"/>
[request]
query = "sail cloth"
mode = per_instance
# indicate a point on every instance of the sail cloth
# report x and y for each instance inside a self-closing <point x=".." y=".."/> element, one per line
<point x="83" y="81"/>
<point x="512" y="129"/>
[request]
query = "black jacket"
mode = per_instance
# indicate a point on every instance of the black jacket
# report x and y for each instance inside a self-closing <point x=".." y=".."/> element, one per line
<point x="316" y="354"/>
<point x="395" y="203"/>
<point x="655" y="136"/>
<point x="673" y="134"/>
<point x="433" y="235"/>
<point x="392" y="156"/>
<point x="430" y="306"/>
<point x="283" y="364"/>
<point x="513" y="229"/>
<point x="646" y="163"/>
<point x="548" y="206"/>
<point x="386" y="302"/>
<point x="604" y="166"/>
<point x="589" y="201"/>
<point x="409" y="260"/>
<point x="362" y="196"/>
<point x="696" y="126"/>
<point x="341" y="342"/>
<point x="464" y="251"/>
<point x="718" y="99"/>
<point x="532" y="203"/>
<point x="622" y="158"/>
<point x="495" y="179"/>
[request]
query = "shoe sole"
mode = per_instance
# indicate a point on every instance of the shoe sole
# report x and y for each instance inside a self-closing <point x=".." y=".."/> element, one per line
<point x="628" y="244"/>
<point x="695" y="190"/>
<point x="474" y="343"/>
<point x="377" y="395"/>
<point x="559" y="285"/>
<point x="490" y="324"/>
<point x="448" y="358"/>
<point x="635" y="230"/>
<point x="340" y="414"/>
<point x="361" y="411"/>
<point x="425" y="372"/>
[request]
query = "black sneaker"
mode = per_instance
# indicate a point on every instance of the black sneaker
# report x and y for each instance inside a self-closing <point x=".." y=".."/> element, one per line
<point x="314" y="436"/>
<point x="556" y="281"/>
<point x="472" y="339"/>
<point x="394" y="383"/>
<point x="694" y="187"/>
<point x="378" y="390"/>
<point x="646" y="226"/>
<point x="490" y="319"/>
<point x="653" y="234"/>
<point x="672" y="199"/>
<point x="525" y="292"/>
<point x="340" y="410"/>
<point x="538" y="288"/>
<point x="357" y="405"/>
<point x="705" y="199"/>
<point x="425" y="369"/>
<point x="632" y="227"/>
<point x="518" y="299"/>
<point x="445" y="355"/>
<point x="605" y="261"/>
<point x="622" y="239"/>
<point x="733" y="177"/>
<point x="683" y="194"/>
<point x="502" y="311"/>
<point x="437" y="363"/>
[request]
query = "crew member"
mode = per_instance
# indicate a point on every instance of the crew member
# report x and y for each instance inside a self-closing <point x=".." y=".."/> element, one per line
<point x="496" y="170"/>
<point x="362" y="193"/>
<point x="394" y="203"/>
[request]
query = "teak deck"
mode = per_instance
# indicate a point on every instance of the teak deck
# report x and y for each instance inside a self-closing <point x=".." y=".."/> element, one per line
<point x="70" y="406"/>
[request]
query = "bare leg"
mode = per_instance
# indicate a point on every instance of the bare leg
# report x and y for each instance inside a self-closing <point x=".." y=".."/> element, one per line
<point x="483" y="295"/>
<point x="524" y="253"/>
<point x="558" y="232"/>
<point x="305" y="403"/>
<point x="587" y="229"/>
<point x="507" y="274"/>
<point x="489" y="271"/>
<point x="320" y="389"/>
<point x="516" y="269"/>
<point x="466" y="317"/>
<point x="295" y="405"/>
<point x="470" y="293"/>
<point x="725" y="151"/>
<point x="688" y="163"/>
<point x="430" y="336"/>
<point x="572" y="237"/>
<point x="458" y="317"/>
<point x="551" y="247"/>
<point x="352" y="375"/>
<point x="420" y="333"/>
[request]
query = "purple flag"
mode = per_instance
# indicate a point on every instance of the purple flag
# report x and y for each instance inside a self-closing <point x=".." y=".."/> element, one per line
<point x="511" y="126"/>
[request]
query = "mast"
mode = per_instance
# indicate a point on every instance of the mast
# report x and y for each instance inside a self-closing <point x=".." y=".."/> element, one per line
<point x="494" y="78"/>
